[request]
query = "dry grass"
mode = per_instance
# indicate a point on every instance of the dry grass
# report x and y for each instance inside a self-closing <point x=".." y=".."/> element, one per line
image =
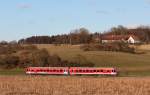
<point x="99" y="58"/>
<point x="44" y="85"/>
<point x="131" y="64"/>
<point x="144" y="47"/>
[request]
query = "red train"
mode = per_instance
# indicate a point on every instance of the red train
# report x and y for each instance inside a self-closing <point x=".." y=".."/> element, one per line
<point x="71" y="71"/>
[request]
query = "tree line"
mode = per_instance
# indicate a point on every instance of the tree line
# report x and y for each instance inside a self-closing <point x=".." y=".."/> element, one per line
<point x="78" y="36"/>
<point x="84" y="36"/>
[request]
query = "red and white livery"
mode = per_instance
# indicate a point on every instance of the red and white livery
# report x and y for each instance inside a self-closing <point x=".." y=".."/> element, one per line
<point x="92" y="71"/>
<point x="48" y="70"/>
<point x="71" y="70"/>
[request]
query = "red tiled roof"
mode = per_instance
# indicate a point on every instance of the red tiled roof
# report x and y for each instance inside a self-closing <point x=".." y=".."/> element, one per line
<point x="119" y="37"/>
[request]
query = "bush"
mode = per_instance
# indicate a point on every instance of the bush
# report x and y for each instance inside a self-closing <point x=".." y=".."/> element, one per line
<point x="9" y="62"/>
<point x="30" y="47"/>
<point x="121" y="47"/>
<point x="17" y="56"/>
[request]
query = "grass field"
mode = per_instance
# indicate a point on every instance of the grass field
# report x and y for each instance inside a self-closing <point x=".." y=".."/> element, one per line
<point x="41" y="85"/>
<point x="128" y="64"/>
<point x="12" y="72"/>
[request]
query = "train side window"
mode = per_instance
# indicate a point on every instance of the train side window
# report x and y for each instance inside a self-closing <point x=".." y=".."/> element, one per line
<point x="72" y="71"/>
<point x="91" y="70"/>
<point x="98" y="71"/>
<point x="94" y="70"/>
<point x="101" y="70"/>
<point x="76" y="70"/>
<point x="80" y="70"/>
<point x="87" y="70"/>
<point x="61" y="70"/>
<point x="108" y="71"/>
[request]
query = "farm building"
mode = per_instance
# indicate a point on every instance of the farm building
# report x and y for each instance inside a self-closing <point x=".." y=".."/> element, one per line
<point x="131" y="39"/>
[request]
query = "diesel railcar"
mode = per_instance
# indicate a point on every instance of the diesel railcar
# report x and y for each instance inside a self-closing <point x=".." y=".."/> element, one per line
<point x="70" y="71"/>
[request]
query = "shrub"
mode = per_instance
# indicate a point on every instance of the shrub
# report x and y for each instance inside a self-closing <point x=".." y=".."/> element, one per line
<point x="18" y="56"/>
<point x="9" y="62"/>
<point x="122" y="47"/>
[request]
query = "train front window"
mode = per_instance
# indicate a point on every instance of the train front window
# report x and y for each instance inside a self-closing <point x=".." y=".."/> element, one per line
<point x="114" y="70"/>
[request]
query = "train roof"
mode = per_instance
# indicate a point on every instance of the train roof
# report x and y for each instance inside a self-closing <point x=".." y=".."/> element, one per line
<point x="78" y="67"/>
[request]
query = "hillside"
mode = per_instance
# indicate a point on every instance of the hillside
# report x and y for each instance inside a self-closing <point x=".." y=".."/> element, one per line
<point x="127" y="64"/>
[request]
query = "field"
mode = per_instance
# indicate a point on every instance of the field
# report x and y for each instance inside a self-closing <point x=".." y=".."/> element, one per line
<point x="44" y="85"/>
<point x="127" y="64"/>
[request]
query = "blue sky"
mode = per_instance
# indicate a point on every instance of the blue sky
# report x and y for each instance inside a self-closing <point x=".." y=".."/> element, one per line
<point x="24" y="18"/>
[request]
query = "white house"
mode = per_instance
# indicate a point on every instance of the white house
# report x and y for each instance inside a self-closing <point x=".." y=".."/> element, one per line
<point x="133" y="40"/>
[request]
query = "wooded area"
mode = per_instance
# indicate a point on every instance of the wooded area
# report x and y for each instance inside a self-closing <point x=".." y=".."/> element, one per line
<point x="84" y="36"/>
